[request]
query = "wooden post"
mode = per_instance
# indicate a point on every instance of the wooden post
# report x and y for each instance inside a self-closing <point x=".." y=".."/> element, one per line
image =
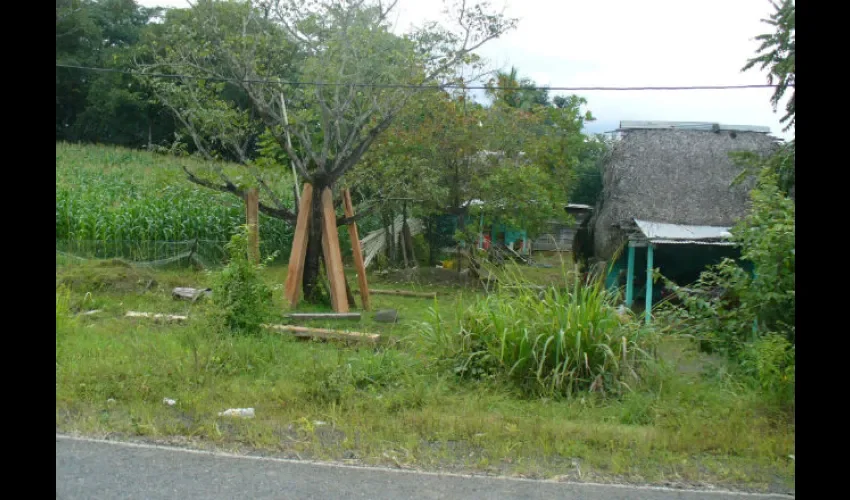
<point x="630" y="277"/>
<point x="252" y="200"/>
<point x="299" y="247"/>
<point x="333" y="256"/>
<point x="356" y="250"/>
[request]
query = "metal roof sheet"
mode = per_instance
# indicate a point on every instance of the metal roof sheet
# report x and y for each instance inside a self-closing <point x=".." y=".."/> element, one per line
<point x="661" y="232"/>
<point x="707" y="126"/>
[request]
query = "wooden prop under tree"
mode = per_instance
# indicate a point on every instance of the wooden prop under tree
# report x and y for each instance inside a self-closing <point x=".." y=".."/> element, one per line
<point x="252" y="202"/>
<point x="340" y="294"/>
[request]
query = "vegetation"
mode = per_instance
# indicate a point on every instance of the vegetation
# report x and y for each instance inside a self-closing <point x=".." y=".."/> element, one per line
<point x="242" y="300"/>
<point x="558" y="341"/>
<point x="542" y="376"/>
<point x="396" y="404"/>
<point x="128" y="202"/>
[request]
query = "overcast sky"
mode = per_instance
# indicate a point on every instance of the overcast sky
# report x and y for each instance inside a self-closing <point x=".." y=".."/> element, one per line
<point x="582" y="43"/>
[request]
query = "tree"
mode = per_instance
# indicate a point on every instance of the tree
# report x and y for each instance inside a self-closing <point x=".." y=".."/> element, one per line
<point x="326" y="126"/>
<point x="110" y="108"/>
<point x="777" y="53"/>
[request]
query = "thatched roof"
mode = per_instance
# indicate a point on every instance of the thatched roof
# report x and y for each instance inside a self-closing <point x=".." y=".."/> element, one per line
<point x="672" y="175"/>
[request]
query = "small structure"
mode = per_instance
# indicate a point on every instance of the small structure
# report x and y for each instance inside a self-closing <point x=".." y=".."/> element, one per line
<point x="559" y="237"/>
<point x="668" y="196"/>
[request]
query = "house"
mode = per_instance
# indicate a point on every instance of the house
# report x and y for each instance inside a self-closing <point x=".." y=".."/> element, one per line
<point x="559" y="236"/>
<point x="668" y="202"/>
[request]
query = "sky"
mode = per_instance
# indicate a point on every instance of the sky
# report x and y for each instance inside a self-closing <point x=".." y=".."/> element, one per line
<point x="628" y="43"/>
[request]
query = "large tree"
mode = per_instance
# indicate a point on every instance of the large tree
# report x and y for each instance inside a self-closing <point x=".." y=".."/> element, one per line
<point x="325" y="78"/>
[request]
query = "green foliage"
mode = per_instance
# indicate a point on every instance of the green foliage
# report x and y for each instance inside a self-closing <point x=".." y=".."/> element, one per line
<point x="104" y="107"/>
<point x="770" y="362"/>
<point x="241" y="299"/>
<point x="121" y="196"/>
<point x="553" y="342"/>
<point x="777" y="53"/>
<point x="732" y="303"/>
<point x="64" y="317"/>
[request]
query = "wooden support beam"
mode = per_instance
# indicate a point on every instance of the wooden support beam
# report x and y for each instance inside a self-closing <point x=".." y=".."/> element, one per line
<point x="299" y="247"/>
<point x="333" y="255"/>
<point x="356" y="250"/>
<point x="349" y="315"/>
<point x="323" y="333"/>
<point x="405" y="293"/>
<point x="156" y="317"/>
<point x="252" y="206"/>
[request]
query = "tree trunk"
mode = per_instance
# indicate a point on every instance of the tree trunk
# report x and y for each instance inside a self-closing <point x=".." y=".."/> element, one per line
<point x="314" y="256"/>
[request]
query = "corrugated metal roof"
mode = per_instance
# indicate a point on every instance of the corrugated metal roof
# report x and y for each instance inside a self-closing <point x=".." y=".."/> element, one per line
<point x="706" y="126"/>
<point x="661" y="232"/>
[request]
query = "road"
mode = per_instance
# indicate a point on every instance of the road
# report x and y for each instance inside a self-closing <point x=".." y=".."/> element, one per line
<point x="94" y="469"/>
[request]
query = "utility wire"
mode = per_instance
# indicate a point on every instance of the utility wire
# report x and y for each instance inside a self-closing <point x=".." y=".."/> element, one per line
<point x="412" y="86"/>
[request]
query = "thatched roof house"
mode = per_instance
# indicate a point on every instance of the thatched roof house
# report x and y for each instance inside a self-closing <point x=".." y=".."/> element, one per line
<point x="673" y="173"/>
<point x="667" y="192"/>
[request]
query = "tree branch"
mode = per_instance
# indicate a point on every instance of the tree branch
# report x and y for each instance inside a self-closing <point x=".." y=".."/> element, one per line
<point x="229" y="187"/>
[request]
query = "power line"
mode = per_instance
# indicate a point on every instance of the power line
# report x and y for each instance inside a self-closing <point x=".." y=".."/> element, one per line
<point x="412" y="86"/>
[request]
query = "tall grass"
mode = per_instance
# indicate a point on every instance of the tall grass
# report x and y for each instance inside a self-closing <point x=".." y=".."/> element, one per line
<point x="551" y="341"/>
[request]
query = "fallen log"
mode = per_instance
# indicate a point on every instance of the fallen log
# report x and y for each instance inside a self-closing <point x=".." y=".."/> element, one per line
<point x="405" y="293"/>
<point x="348" y="315"/>
<point x="322" y="333"/>
<point x="156" y="316"/>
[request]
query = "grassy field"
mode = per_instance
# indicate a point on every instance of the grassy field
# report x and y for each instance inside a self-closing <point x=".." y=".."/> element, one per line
<point x="399" y="403"/>
<point x="391" y="404"/>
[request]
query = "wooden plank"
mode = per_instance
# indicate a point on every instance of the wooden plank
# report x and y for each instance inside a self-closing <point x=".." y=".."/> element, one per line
<point x="404" y="293"/>
<point x="323" y="333"/>
<point x="252" y="201"/>
<point x="356" y="250"/>
<point x="156" y="317"/>
<point x="333" y="255"/>
<point x="349" y="315"/>
<point x="192" y="294"/>
<point x="299" y="247"/>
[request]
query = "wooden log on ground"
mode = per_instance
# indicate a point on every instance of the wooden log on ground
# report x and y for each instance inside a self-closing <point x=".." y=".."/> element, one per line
<point x="323" y="333"/>
<point x="333" y="255"/>
<point x="404" y="293"/>
<point x="356" y="250"/>
<point x="348" y="315"/>
<point x="295" y="274"/>
<point x="192" y="294"/>
<point x="176" y="318"/>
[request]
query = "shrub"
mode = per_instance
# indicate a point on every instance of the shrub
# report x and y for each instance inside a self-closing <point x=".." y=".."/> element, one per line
<point x="550" y="342"/>
<point x="770" y="363"/>
<point x="240" y="298"/>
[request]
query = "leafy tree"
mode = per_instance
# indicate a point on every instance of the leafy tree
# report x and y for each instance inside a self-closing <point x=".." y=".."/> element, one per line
<point x="110" y="108"/>
<point x="324" y="128"/>
<point x="777" y="53"/>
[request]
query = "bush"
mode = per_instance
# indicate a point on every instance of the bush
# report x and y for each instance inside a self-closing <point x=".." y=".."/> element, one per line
<point x="550" y="342"/>
<point x="241" y="301"/>
<point x="732" y="306"/>
<point x="770" y="363"/>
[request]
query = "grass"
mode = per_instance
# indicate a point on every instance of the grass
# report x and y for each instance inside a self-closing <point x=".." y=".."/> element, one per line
<point x="391" y="404"/>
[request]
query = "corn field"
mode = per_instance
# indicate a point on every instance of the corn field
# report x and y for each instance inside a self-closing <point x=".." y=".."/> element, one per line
<point x="119" y="203"/>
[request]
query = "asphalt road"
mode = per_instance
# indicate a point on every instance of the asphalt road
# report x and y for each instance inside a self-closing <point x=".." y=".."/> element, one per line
<point x="94" y="469"/>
